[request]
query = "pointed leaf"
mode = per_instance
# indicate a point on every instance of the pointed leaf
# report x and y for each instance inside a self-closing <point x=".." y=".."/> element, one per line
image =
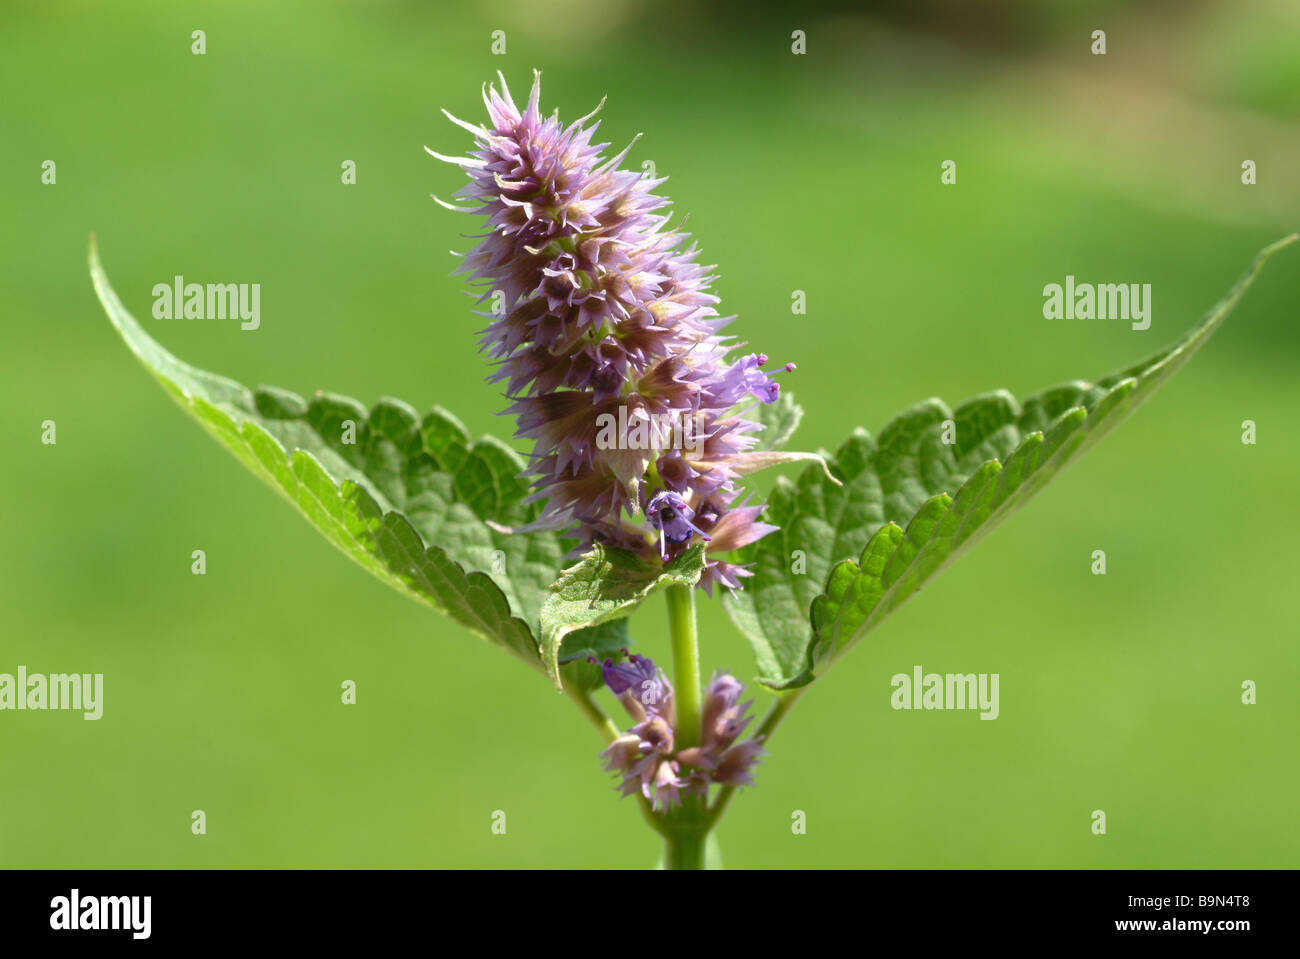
<point x="911" y="503"/>
<point x="404" y="496"/>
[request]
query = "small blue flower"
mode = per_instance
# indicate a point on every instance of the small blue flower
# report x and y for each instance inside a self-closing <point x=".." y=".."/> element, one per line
<point x="744" y="377"/>
<point x="620" y="677"/>
<point x="670" y="515"/>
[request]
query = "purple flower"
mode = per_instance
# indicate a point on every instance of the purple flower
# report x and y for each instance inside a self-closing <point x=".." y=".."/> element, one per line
<point x="604" y="316"/>
<point x="736" y="767"/>
<point x="722" y="718"/>
<point x="744" y="376"/>
<point x="640" y="686"/>
<point x="619" y="677"/>
<point x="668" y="786"/>
<point x="646" y="757"/>
<point x="669" y="514"/>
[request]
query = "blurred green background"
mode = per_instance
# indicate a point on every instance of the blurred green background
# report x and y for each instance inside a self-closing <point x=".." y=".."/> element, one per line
<point x="818" y="173"/>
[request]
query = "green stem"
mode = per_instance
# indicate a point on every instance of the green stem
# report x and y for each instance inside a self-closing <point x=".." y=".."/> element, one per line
<point x="684" y="848"/>
<point x="687" y="827"/>
<point x="686" y="665"/>
<point x="604" y="725"/>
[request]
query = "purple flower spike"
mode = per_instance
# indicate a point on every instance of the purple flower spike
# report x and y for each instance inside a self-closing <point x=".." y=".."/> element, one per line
<point x="602" y="315"/>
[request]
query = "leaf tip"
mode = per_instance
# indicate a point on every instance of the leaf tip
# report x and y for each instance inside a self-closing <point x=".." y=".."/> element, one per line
<point x="1281" y="244"/>
<point x="92" y="256"/>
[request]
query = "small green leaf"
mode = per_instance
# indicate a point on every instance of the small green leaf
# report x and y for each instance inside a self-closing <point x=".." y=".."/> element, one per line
<point x="604" y="641"/>
<point x="384" y="485"/>
<point x="606" y="584"/>
<point x="780" y="419"/>
<point x="911" y="503"/>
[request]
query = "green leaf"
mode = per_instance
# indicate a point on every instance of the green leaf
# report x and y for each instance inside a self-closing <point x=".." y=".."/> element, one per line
<point x="605" y="585"/>
<point x="404" y="484"/>
<point x="911" y="503"/>
<point x="779" y="419"/>
<point x="603" y="641"/>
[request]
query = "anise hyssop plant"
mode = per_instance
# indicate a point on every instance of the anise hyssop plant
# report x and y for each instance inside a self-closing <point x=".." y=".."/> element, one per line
<point x="644" y="415"/>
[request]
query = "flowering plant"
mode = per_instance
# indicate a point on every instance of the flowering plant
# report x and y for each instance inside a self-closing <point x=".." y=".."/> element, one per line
<point x="644" y="420"/>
